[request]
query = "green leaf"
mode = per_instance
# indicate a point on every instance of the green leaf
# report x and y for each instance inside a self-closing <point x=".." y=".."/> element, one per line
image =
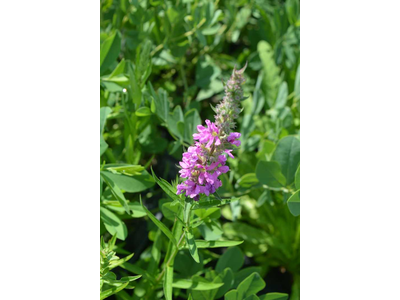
<point x="207" y="294"/>
<point x="109" y="51"/>
<point x="297" y="83"/>
<point x="104" y="112"/>
<point x="228" y="280"/>
<point x="297" y="178"/>
<point x="287" y="154"/>
<point x="112" y="291"/>
<point x="215" y="244"/>
<point x="232" y="295"/>
<point x="192" y="119"/>
<point x="213" y="203"/>
<point x="143" y="61"/>
<point x="136" y="91"/>
<point x="171" y="210"/>
<point x="160" y="225"/>
<point x="244" y="273"/>
<point x="266" y="194"/>
<point x="246" y="232"/>
<point x="271" y="78"/>
<point x="130" y="278"/>
<point x="206" y="71"/>
<point x="131" y="184"/>
<point x="119" y="69"/>
<point x="111" y="242"/>
<point x="269" y="173"/>
<point x="294" y="204"/>
<point x="166" y="186"/>
<point x="113" y="224"/>
<point x="103" y="145"/>
<point x="233" y="258"/>
<point x="266" y="148"/>
<point x="192" y="245"/>
<point x="116" y="263"/>
<point x="212" y="213"/>
<point x="115" y="191"/>
<point x="195" y="284"/>
<point x="137" y="210"/>
<point x="168" y="279"/>
<point x="211" y="230"/>
<point x="143" y="111"/>
<point x="130" y="170"/>
<point x="274" y="296"/>
<point x="174" y="119"/>
<point x="282" y="96"/>
<point x="248" y="180"/>
<point x="185" y="265"/>
<point x="120" y="80"/>
<point x="251" y="285"/>
<point x="252" y="297"/>
<point x="161" y="102"/>
<point x="133" y="268"/>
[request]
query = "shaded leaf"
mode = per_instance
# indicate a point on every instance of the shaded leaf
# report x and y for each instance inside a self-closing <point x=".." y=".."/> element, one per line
<point x="113" y="224"/>
<point x="131" y="184"/>
<point x="294" y="203"/>
<point x="195" y="285"/>
<point x="160" y="225"/>
<point x="233" y="258"/>
<point x="109" y="51"/>
<point x="192" y="245"/>
<point x="287" y="154"/>
<point x="269" y="173"/>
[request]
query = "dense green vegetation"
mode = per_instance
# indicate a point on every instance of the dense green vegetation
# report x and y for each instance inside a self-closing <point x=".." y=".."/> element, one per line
<point x="162" y="67"/>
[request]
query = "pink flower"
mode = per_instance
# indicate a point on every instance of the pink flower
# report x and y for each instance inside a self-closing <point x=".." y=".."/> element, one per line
<point x="232" y="138"/>
<point x="204" y="162"/>
<point x="207" y="135"/>
<point x="229" y="153"/>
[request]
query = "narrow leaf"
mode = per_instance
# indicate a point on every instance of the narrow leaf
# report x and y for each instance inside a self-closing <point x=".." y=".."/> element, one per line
<point x="195" y="285"/>
<point x="201" y="244"/>
<point x="116" y="191"/>
<point x="192" y="245"/>
<point x="160" y="225"/>
<point x="112" y="291"/>
<point x="294" y="204"/>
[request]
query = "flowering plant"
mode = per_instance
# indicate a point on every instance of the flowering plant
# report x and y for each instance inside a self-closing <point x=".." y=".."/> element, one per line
<point x="160" y="64"/>
<point x="205" y="160"/>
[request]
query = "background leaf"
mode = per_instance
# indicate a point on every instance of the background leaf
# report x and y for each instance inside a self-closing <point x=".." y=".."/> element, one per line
<point x="269" y="173"/>
<point x="113" y="224"/>
<point x="294" y="203"/>
<point x="109" y="51"/>
<point x="287" y="154"/>
<point x="233" y="258"/>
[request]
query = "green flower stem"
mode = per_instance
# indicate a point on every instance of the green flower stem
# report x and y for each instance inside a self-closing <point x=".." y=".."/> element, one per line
<point x="170" y="259"/>
<point x="186" y="219"/>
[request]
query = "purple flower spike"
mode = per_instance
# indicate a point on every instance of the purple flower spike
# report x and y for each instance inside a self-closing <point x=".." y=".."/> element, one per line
<point x="207" y="135"/>
<point x="204" y="162"/>
<point x="232" y="138"/>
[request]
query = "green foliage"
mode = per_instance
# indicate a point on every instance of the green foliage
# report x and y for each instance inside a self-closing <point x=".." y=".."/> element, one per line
<point x="162" y="66"/>
<point x="109" y="284"/>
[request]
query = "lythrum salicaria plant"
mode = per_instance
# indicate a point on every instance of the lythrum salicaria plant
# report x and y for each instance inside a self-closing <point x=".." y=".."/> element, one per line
<point x="203" y="162"/>
<point x="201" y="166"/>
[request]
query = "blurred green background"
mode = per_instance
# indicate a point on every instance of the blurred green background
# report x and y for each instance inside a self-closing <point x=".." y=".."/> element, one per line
<point x="162" y="67"/>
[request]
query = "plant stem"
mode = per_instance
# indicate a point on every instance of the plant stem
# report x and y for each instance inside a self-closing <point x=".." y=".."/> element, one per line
<point x="186" y="219"/>
<point x="170" y="258"/>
